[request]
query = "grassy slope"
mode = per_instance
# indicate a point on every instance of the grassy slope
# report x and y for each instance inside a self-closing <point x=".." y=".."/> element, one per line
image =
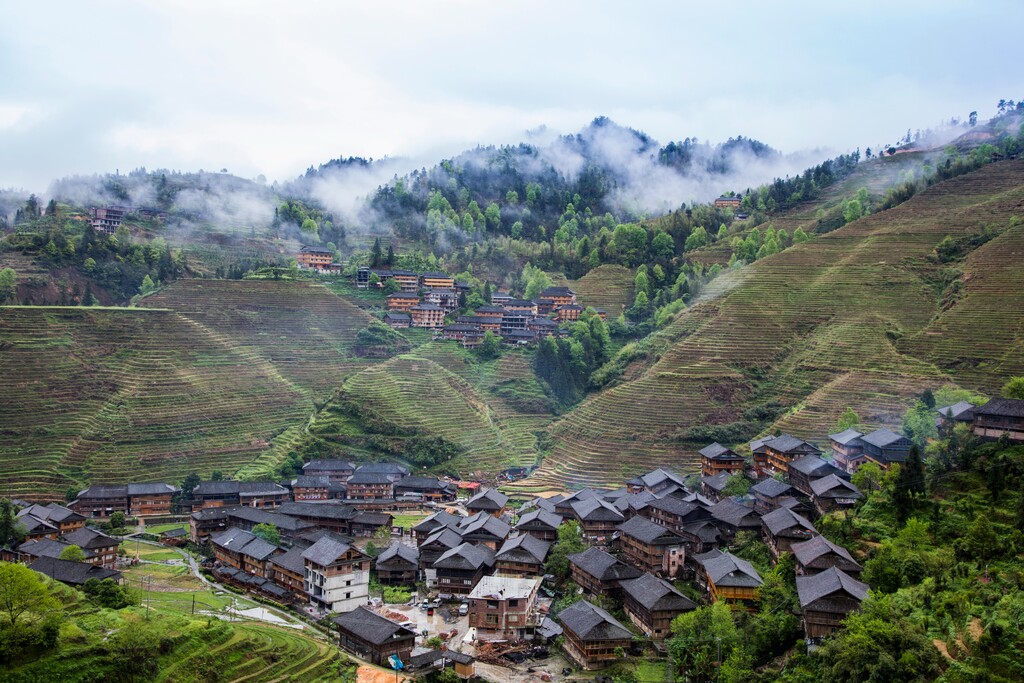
<point x="114" y="394"/>
<point x="840" y="321"/>
<point x="609" y="287"/>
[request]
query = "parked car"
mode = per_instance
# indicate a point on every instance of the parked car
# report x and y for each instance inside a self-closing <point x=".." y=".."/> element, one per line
<point x="463" y="609"/>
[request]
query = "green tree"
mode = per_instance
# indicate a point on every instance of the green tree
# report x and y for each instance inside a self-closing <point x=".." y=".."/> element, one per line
<point x="1014" y="388"/>
<point x="697" y="239"/>
<point x="309" y="226"/>
<point x="663" y="248"/>
<point x="24" y="597"/>
<point x="268" y="532"/>
<point x="147" y="285"/>
<point x="799" y="236"/>
<point x="490" y="347"/>
<point x="570" y="541"/>
<point x="69" y="495"/>
<point x="73" y="554"/>
<point x="12" y="532"/>
<point x="847" y="420"/>
<point x="8" y="278"/>
<point x="133" y="652"/>
<point x="107" y="593"/>
<point x="216" y="475"/>
<point x="493" y="216"/>
<point x="117" y="520"/>
<point x="703" y="638"/>
<point x="391" y="286"/>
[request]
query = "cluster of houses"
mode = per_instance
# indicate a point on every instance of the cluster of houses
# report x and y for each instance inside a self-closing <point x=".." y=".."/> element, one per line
<point x="516" y="321"/>
<point x="49" y="531"/>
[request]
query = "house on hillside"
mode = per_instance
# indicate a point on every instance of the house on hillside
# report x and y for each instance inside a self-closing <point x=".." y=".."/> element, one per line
<point x="714" y="487"/>
<point x="101" y="501"/>
<point x="306" y="487"/>
<point x="598" y="573"/>
<point x="848" y="449"/>
<point x="651" y="547"/>
<point x="961" y="412"/>
<point x="491" y="501"/>
<point x="73" y="573"/>
<point x="439" y="520"/>
<point x="437" y="280"/>
<point x="522" y="556"/>
<point x="732" y="517"/>
<point x="674" y="513"/>
<point x="429" y="316"/>
<point x="768" y="493"/>
<point x="49" y="521"/>
<point x="391" y="470"/>
<point x="652" y="603"/>
<point x="729" y="578"/>
<point x="289" y="527"/>
<point x="287" y="570"/>
<point x="398" y="565"/>
<point x="656" y="481"/>
<point x="568" y="313"/>
<point x="366" y="485"/>
<point x="397" y="321"/>
<point x="314" y="258"/>
<point x="106" y="219"/>
<point x="559" y="296"/>
<point x="784" y="449"/>
<point x="783" y="528"/>
<point x="483" y="529"/>
<point x="99" y="548"/>
<point x="833" y="493"/>
<point x="425" y="489"/>
<point x="150" y="500"/>
<point x="717" y="459"/>
<point x="818" y="554"/>
<point x="337" y="575"/>
<point x="1000" y="417"/>
<point x="330" y="516"/>
<point x="369" y="636"/>
<point x="469" y="336"/>
<point x="540" y="524"/>
<point x="460" y="569"/>
<point x="825" y="600"/>
<point x="448" y="299"/>
<point x="402" y="302"/>
<point x="255" y="494"/>
<point x="597" y="518"/>
<point x="337" y="471"/>
<point x="592" y="637"/>
<point x="502" y="607"/>
<point x="885" y="447"/>
<point x="244" y="551"/>
<point x="730" y="202"/>
<point x="808" y="469"/>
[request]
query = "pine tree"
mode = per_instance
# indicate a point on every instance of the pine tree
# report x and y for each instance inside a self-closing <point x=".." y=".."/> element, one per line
<point x="391" y="255"/>
<point x="375" y="254"/>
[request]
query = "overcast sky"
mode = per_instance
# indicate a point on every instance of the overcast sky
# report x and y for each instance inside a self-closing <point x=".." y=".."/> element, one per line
<point x="272" y="88"/>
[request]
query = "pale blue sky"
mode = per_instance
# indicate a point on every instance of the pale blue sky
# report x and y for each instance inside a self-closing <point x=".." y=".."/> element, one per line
<point x="273" y="87"/>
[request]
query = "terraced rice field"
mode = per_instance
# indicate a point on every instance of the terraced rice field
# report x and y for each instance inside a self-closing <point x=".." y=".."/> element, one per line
<point x="416" y="392"/>
<point x="847" y="319"/>
<point x="223" y="382"/>
<point x="609" y="287"/>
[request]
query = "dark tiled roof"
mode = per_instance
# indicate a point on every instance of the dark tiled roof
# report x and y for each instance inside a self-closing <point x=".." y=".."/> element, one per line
<point x="445" y="537"/>
<point x="383" y="468"/>
<point x="257" y="516"/>
<point x="541" y="517"/>
<point x="156" y="488"/>
<point x="717" y="450"/>
<point x="596" y="510"/>
<point x="488" y="499"/>
<point x="466" y="556"/>
<point x="371" y="626"/>
<point x="882" y="438"/>
<point x="656" y="594"/>
<point x="728" y="570"/>
<point x="375" y="519"/>
<point x="368" y="478"/>
<point x="73" y="573"/>
<point x="483" y="523"/>
<point x="325" y="510"/>
<point x="326" y="551"/>
<point x="846" y="437"/>
<point x="437" y="520"/>
<point x="706" y="531"/>
<point x="673" y="506"/>
<point x="812" y="588"/>
<point x="603" y="566"/>
<point x="1002" y="407"/>
<point x="812" y="465"/>
<point x="647" y="531"/>
<point x="657" y="477"/>
<point x="782" y="519"/>
<point x="733" y="513"/>
<point x="806" y="552"/>
<point x="524" y="548"/>
<point x="717" y="482"/>
<point x="52" y="513"/>
<point x="400" y="551"/>
<point x="87" y="539"/>
<point x="307" y="481"/>
<point x="590" y="622"/>
<point x="104" y="492"/>
<point x="43" y="547"/>
<point x="422" y="484"/>
<point x="327" y="466"/>
<point x="962" y="410"/>
<point x="834" y="487"/>
<point x="557" y="291"/>
<point x="771" y="488"/>
<point x="785" y="443"/>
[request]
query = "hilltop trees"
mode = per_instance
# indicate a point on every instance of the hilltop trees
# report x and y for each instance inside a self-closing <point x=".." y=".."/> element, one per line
<point x="1014" y="388"/>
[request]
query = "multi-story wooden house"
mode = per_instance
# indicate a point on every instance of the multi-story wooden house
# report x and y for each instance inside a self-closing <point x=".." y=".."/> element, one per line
<point x="1000" y="417"/>
<point x="337" y="575"/>
<point x="714" y="488"/>
<point x="651" y="547"/>
<point x="674" y="513"/>
<point x="391" y="470"/>
<point x="559" y="296"/>
<point x="150" y="500"/>
<point x="99" y="548"/>
<point x="783" y="528"/>
<point x="306" y="487"/>
<point x="330" y="516"/>
<point x="288" y="571"/>
<point x="59" y="519"/>
<point x="716" y="459"/>
<point x="101" y="501"/>
<point x="244" y="551"/>
<point x="597" y="518"/>
<point x="290" y="528"/>
<point x="885" y="447"/>
<point x="522" y="556"/>
<point x="469" y="336"/>
<point x="819" y="553"/>
<point x="729" y="578"/>
<point x="825" y="600"/>
<point x="337" y="471"/>
<point x="427" y="315"/>
<point x="407" y="280"/>
<point x="433" y="523"/>
<point x="486" y="324"/>
<point x="314" y="258"/>
<point x="365" y="485"/>
<point x="540" y="523"/>
<point x="768" y="493"/>
<point x="73" y="573"/>
<point x="782" y="450"/>
<point x="398" y="565"/>
<point x="733" y="517"/>
<point x="568" y="313"/>
<point x="961" y="412"/>
<point x="461" y="568"/>
<point x="833" y="493"/>
<point x="652" y="603"/>
<point x="483" y="529"/>
<point x="502" y="607"/>
<point x="491" y="501"/>
<point x="730" y="202"/>
<point x="425" y="489"/>
<point x="206" y="522"/>
<point x="437" y="281"/>
<point x="657" y="481"/>
<point x="448" y="299"/>
<point x="256" y="494"/>
<point x="598" y="573"/>
<point x="592" y="637"/>
<point x="402" y="301"/>
<point x="803" y="471"/>
<point x="397" y="321"/>
<point x="847" y="449"/>
<point x="371" y="637"/>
